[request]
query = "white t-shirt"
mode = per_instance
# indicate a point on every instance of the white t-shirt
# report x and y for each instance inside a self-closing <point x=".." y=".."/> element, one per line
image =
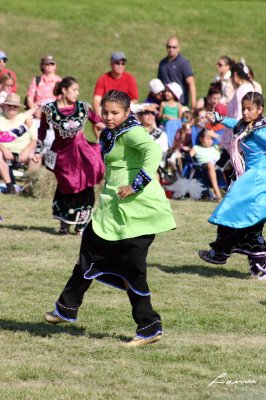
<point x="21" y="142"/>
<point x="205" y="155"/>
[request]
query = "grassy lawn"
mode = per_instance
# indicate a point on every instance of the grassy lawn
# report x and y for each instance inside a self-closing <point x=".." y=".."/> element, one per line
<point x="82" y="34"/>
<point x="214" y="318"/>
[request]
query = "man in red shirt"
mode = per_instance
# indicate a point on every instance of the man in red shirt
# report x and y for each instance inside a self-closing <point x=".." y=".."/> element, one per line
<point x="116" y="79"/>
<point x="4" y="70"/>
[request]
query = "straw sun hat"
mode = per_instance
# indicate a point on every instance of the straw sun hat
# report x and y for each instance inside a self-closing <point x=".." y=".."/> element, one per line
<point x="13" y="99"/>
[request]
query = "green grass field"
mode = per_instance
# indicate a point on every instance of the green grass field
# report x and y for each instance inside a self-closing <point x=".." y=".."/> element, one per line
<point x="214" y="316"/>
<point x="82" y="34"/>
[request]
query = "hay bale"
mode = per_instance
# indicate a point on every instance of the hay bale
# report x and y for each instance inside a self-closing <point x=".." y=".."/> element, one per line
<point x="40" y="183"/>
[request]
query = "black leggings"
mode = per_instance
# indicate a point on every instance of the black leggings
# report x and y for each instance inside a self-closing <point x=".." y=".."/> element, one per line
<point x="148" y="321"/>
<point x="228" y="238"/>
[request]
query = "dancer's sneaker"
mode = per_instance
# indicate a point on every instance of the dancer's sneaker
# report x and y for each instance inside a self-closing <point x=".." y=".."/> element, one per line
<point x="262" y="276"/>
<point x="213" y="257"/>
<point x="257" y="267"/>
<point x="139" y="341"/>
<point x="52" y="318"/>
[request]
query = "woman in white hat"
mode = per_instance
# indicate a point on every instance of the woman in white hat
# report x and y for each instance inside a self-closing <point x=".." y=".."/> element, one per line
<point x="24" y="146"/>
<point x="156" y="92"/>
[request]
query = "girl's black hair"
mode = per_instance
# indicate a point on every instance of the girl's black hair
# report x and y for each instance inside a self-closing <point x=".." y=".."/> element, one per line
<point x="201" y="135"/>
<point x="117" y="96"/>
<point x="255" y="98"/>
<point x="214" y="90"/>
<point x="238" y="68"/>
<point x="66" y="82"/>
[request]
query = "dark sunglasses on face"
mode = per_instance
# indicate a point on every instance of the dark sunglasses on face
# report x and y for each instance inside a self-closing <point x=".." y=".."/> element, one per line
<point x="171" y="47"/>
<point x="120" y="62"/>
<point x="12" y="106"/>
<point x="4" y="60"/>
<point x="146" y="112"/>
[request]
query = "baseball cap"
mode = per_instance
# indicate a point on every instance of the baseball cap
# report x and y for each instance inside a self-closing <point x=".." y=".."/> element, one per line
<point x="156" y="86"/>
<point x="117" y="56"/>
<point x="3" y="55"/>
<point x="48" y="60"/>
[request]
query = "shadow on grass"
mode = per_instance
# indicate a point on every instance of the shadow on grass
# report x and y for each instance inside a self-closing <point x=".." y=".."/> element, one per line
<point x="43" y="329"/>
<point x="45" y="229"/>
<point x="40" y="328"/>
<point x="208" y="272"/>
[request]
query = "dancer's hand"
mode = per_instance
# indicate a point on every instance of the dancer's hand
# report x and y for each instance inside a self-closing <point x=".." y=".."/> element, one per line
<point x="125" y="191"/>
<point x="210" y="116"/>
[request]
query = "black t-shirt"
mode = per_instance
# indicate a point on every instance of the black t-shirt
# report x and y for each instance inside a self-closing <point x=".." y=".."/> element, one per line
<point x="176" y="70"/>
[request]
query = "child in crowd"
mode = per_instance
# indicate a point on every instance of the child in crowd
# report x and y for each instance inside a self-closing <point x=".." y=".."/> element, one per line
<point x="201" y="121"/>
<point x="132" y="209"/>
<point x="171" y="108"/>
<point x="241" y="215"/>
<point x="207" y="155"/>
<point x="182" y="144"/>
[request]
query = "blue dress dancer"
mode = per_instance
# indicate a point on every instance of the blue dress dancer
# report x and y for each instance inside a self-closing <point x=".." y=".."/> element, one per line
<point x="241" y="215"/>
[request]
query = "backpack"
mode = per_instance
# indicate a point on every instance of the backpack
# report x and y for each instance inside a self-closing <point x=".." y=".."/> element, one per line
<point x="37" y="80"/>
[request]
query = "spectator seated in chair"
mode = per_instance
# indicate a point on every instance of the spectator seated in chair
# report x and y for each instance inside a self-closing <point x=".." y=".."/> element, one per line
<point x="206" y="156"/>
<point x="23" y="146"/>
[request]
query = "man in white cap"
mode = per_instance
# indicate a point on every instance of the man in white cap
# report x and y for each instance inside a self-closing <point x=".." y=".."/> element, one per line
<point x="4" y="70"/>
<point x="116" y="79"/>
<point x="175" y="68"/>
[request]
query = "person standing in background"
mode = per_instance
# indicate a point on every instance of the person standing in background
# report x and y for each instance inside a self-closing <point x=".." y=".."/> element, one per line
<point x="40" y="91"/>
<point x="223" y="66"/>
<point x="116" y="79"/>
<point x="175" y="68"/>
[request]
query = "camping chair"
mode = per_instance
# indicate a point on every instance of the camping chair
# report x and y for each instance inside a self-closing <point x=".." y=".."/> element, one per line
<point x="17" y="170"/>
<point x="193" y="170"/>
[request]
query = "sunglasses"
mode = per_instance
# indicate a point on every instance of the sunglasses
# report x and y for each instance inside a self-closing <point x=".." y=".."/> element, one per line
<point x="12" y="106"/>
<point x="148" y="112"/>
<point x="120" y="62"/>
<point x="171" y="47"/>
<point x="4" y="60"/>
